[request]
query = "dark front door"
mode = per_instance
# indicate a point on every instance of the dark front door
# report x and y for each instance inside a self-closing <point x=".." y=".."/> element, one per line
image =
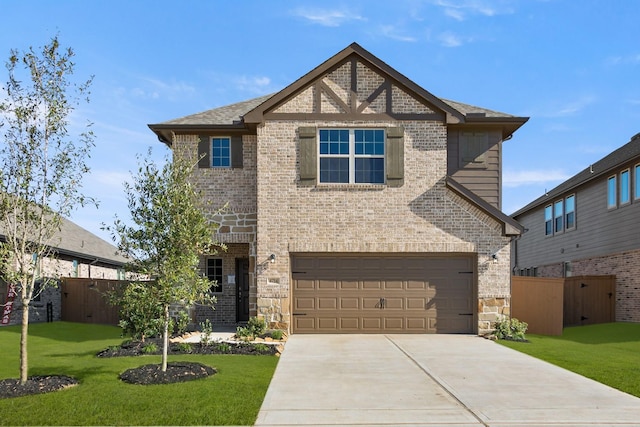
<point x="242" y="289"/>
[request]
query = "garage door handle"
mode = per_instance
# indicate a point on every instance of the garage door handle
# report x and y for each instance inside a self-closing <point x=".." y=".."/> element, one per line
<point x="465" y="314"/>
<point x="299" y="314"/>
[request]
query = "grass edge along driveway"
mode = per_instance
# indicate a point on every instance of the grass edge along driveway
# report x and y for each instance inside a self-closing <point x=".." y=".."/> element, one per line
<point x="608" y="353"/>
<point x="231" y="397"/>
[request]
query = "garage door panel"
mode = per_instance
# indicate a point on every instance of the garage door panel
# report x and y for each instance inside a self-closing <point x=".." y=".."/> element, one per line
<point x="327" y="304"/>
<point x="302" y="303"/>
<point x="395" y="293"/>
<point x="371" y="323"/>
<point x="350" y="303"/>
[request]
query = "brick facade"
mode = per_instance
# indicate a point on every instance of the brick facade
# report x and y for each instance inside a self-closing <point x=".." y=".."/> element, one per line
<point x="624" y="265"/>
<point x="268" y="210"/>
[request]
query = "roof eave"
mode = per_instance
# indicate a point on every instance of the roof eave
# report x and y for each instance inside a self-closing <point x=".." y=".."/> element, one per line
<point x="510" y="227"/>
<point x="509" y="124"/>
<point x="165" y="131"/>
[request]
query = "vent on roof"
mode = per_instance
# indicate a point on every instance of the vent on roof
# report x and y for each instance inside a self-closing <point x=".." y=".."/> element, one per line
<point x="476" y="115"/>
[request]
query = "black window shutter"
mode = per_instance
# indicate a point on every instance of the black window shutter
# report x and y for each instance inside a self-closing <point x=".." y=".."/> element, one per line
<point x="473" y="149"/>
<point x="308" y="156"/>
<point x="236" y="151"/>
<point x="395" y="156"/>
<point x="204" y="149"/>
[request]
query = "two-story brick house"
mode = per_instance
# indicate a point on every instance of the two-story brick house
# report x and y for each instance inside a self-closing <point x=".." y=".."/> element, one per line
<point x="588" y="225"/>
<point x="357" y="201"/>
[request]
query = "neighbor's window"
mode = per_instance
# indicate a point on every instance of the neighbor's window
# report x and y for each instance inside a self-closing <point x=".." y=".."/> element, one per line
<point x="352" y="156"/>
<point x="214" y="273"/>
<point x="636" y="183"/>
<point x="625" y="190"/>
<point x="221" y="152"/>
<point x="612" y="199"/>
<point x="570" y="212"/>
<point x="548" y="220"/>
<point x="558" y="216"/>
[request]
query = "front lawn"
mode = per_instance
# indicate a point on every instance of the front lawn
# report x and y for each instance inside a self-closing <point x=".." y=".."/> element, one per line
<point x="608" y="353"/>
<point x="231" y="397"/>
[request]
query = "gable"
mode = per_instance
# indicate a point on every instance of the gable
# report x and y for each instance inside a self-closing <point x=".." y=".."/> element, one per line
<point x="354" y="85"/>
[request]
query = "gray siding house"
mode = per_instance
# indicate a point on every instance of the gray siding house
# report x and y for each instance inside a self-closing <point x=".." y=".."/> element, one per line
<point x="78" y="253"/>
<point x="588" y="225"/>
<point x="356" y="202"/>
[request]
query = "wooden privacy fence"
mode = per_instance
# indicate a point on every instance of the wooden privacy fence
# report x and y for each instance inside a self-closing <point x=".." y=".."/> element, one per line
<point x="550" y="304"/>
<point x="85" y="300"/>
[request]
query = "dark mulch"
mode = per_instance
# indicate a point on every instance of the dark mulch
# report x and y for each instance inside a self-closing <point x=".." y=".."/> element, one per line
<point x="176" y="372"/>
<point x="35" y="385"/>
<point x="137" y="348"/>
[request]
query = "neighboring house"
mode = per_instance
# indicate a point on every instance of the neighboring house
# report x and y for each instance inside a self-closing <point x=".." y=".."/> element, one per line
<point x="78" y="253"/>
<point x="588" y="225"/>
<point x="358" y="202"/>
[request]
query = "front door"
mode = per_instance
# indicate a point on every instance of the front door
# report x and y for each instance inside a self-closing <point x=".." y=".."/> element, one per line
<point x="242" y="289"/>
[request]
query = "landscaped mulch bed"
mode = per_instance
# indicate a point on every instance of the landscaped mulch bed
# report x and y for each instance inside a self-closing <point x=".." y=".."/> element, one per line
<point x="35" y="385"/>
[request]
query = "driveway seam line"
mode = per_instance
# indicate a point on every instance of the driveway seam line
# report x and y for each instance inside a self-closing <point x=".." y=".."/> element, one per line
<point x="437" y="381"/>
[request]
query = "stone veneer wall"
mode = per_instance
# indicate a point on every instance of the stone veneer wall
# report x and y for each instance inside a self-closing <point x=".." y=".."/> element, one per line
<point x="422" y="216"/>
<point x="624" y="265"/>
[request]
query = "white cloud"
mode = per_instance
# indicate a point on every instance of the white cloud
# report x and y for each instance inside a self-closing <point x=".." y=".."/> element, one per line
<point x="520" y="178"/>
<point x="630" y="59"/>
<point x="564" y="108"/>
<point x="449" y="39"/>
<point x="391" y="31"/>
<point x="327" y="17"/>
<point x="253" y="84"/>
<point x="459" y="10"/>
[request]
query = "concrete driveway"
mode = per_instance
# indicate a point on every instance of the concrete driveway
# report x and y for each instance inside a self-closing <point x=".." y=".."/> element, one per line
<point x="418" y="380"/>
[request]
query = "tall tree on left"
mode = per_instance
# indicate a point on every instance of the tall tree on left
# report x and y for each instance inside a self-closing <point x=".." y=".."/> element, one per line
<point x="42" y="166"/>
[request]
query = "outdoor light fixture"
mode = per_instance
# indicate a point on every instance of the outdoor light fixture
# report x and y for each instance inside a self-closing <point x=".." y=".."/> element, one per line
<point x="495" y="258"/>
<point x="272" y="258"/>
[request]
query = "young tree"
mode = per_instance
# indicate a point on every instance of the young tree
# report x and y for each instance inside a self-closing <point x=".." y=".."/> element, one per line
<point x="170" y="233"/>
<point x="42" y="166"/>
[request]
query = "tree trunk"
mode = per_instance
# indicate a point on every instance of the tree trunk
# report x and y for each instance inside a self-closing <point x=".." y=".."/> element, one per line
<point x="24" y="366"/>
<point x="165" y="338"/>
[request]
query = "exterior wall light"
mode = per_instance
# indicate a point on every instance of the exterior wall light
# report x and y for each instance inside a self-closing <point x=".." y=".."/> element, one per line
<point x="272" y="258"/>
<point x="495" y="258"/>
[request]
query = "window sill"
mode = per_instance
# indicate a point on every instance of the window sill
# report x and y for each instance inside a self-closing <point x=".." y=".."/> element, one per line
<point x="350" y="187"/>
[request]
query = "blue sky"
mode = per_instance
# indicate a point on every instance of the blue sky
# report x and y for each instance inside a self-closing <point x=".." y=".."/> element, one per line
<point x="571" y="66"/>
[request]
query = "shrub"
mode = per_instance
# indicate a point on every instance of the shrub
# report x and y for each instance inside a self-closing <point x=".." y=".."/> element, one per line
<point x="510" y="329"/>
<point x="277" y="334"/>
<point x="205" y="332"/>
<point x="223" y="347"/>
<point x="185" y="347"/>
<point x="150" y="348"/>
<point x="261" y="348"/>
<point x="255" y="327"/>
<point x="140" y="316"/>
<point x="181" y="322"/>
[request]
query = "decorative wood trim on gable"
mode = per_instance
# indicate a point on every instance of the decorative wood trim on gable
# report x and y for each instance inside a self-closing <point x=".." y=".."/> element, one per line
<point x="353" y="55"/>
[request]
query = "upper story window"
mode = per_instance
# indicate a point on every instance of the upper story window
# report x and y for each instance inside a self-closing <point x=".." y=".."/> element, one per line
<point x="612" y="195"/>
<point x="625" y="187"/>
<point x="352" y="156"/>
<point x="548" y="220"/>
<point x="221" y="152"/>
<point x="214" y="273"/>
<point x="636" y="182"/>
<point x="560" y="216"/>
<point x="570" y="212"/>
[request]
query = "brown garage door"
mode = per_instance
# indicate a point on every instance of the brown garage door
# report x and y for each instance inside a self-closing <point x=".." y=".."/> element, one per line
<point x="383" y="294"/>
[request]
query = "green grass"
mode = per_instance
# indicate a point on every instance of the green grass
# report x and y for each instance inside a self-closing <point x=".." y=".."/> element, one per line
<point x="608" y="353"/>
<point x="231" y="397"/>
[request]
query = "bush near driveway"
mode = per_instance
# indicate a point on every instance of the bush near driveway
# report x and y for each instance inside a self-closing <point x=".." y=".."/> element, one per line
<point x="608" y="353"/>
<point x="231" y="397"/>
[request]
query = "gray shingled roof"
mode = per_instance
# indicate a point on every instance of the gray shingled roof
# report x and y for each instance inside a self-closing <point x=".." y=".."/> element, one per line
<point x="74" y="240"/>
<point x="472" y="109"/>
<point x="226" y="115"/>
<point x="627" y="153"/>
<point x="232" y="114"/>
